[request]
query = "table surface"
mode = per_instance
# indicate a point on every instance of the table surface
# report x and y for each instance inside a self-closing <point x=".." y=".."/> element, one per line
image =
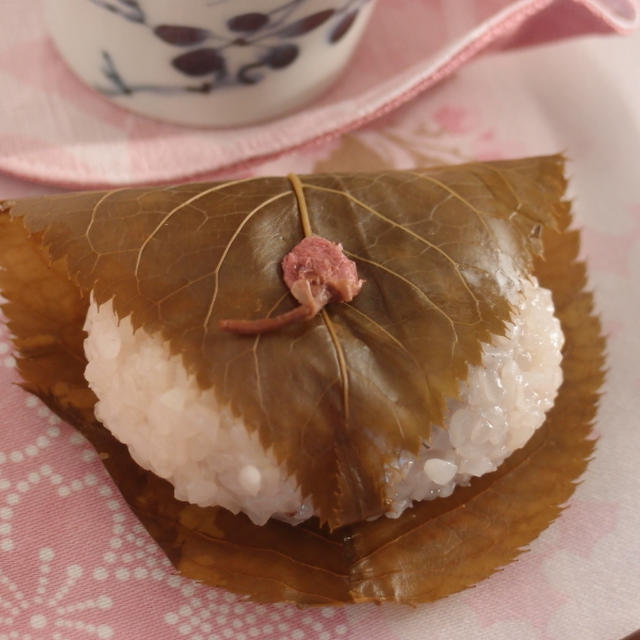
<point x="74" y="563"/>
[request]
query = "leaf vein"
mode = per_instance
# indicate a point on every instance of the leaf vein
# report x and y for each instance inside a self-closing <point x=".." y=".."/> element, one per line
<point x="236" y="233"/>
<point x="256" y="359"/>
<point x="92" y="218"/>
<point x="413" y="285"/>
<point x="413" y="234"/>
<point x="175" y="210"/>
<point x="479" y="214"/>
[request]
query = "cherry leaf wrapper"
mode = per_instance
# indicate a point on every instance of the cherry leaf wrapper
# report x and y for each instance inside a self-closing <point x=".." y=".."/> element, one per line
<point x="375" y="372"/>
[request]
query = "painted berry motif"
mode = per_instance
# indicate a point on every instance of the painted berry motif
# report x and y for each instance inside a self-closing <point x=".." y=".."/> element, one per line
<point x="200" y="62"/>
<point x="181" y="36"/>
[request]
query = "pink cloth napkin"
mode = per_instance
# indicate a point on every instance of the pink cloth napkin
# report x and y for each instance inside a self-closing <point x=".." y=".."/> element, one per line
<point x="57" y="131"/>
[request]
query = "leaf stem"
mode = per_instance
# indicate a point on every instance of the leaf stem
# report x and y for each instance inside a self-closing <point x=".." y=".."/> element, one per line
<point x="302" y="203"/>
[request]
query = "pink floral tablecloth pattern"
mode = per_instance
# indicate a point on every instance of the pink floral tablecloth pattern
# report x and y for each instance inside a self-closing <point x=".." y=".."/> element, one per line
<point x="74" y="562"/>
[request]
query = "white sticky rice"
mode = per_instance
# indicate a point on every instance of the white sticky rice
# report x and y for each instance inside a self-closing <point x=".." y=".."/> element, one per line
<point x="148" y="402"/>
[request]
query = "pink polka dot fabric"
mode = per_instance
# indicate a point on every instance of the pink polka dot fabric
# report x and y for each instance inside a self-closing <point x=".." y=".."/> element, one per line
<point x="57" y="131"/>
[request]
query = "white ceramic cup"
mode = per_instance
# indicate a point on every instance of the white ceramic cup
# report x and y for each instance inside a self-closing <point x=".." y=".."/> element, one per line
<point x="208" y="62"/>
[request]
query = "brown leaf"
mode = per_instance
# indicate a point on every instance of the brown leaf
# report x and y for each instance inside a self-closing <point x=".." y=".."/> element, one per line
<point x="351" y="154"/>
<point x="437" y="547"/>
<point x="45" y="314"/>
<point x="376" y="371"/>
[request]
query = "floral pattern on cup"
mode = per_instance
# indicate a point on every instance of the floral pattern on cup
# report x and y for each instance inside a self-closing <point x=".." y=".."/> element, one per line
<point x="273" y="37"/>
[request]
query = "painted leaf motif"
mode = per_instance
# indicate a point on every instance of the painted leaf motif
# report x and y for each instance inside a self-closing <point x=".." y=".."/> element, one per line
<point x="364" y="380"/>
<point x="435" y="549"/>
<point x="343" y="27"/>
<point x="248" y="22"/>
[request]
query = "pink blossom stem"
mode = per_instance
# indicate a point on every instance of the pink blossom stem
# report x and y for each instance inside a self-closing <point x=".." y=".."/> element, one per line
<point x="264" y="325"/>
